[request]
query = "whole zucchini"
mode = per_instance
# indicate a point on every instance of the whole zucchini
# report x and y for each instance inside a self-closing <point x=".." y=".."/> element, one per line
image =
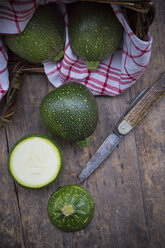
<point x="94" y="32"/>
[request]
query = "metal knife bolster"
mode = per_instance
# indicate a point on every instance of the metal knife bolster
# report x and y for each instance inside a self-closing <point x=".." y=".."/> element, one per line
<point x="124" y="127"/>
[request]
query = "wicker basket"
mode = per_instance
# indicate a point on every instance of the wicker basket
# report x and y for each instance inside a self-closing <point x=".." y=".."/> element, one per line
<point x="140" y="15"/>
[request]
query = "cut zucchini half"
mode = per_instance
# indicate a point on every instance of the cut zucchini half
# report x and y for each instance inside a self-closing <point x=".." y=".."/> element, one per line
<point x="71" y="208"/>
<point x="35" y="161"/>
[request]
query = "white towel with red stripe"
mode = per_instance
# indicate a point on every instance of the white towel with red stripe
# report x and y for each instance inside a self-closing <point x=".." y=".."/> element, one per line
<point x="114" y="75"/>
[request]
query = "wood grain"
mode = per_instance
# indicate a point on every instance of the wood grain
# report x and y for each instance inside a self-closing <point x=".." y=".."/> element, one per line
<point x="117" y="194"/>
<point x="32" y="203"/>
<point x="10" y="218"/>
<point x="150" y="140"/>
<point x="128" y="188"/>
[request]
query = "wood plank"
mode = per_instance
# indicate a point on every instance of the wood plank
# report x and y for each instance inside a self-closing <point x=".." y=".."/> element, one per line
<point x="11" y="234"/>
<point x="128" y="188"/>
<point x="119" y="219"/>
<point x="150" y="140"/>
<point x="32" y="203"/>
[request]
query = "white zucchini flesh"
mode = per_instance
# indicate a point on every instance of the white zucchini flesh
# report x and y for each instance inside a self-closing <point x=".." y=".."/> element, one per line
<point x="35" y="162"/>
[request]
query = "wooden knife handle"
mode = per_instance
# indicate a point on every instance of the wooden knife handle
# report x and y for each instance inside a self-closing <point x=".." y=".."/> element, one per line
<point x="142" y="107"/>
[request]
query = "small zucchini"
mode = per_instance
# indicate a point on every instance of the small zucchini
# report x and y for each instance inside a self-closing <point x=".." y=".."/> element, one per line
<point x="71" y="208"/>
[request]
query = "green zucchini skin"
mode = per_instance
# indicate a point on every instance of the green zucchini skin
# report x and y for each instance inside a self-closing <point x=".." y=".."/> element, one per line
<point x="40" y="136"/>
<point x="82" y="203"/>
<point x="42" y="39"/>
<point x="70" y="112"/>
<point x="94" y="32"/>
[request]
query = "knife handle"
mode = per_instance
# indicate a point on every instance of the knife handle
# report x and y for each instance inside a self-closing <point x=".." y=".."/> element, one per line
<point x="142" y="107"/>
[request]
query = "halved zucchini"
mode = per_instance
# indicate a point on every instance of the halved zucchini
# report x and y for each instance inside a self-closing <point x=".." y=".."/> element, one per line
<point x="35" y="161"/>
<point x="71" y="208"/>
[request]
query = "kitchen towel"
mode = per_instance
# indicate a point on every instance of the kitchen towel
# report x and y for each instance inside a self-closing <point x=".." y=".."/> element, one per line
<point x="114" y="75"/>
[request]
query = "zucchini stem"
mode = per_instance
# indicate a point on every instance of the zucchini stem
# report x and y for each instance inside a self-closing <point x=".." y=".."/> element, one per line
<point x="84" y="143"/>
<point x="92" y="65"/>
<point x="68" y="210"/>
<point x="58" y="56"/>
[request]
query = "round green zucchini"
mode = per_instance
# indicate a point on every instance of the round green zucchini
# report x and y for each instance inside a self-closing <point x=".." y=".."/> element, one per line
<point x="43" y="38"/>
<point x="71" y="208"/>
<point x="35" y="161"/>
<point x="70" y="112"/>
<point x="94" y="32"/>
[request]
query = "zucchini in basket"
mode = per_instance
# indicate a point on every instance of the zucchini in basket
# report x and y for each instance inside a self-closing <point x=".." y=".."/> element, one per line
<point x="94" y="32"/>
<point x="43" y="38"/>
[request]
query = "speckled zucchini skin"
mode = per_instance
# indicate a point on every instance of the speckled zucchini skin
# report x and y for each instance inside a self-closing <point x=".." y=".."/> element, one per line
<point x="94" y="30"/>
<point x="70" y="112"/>
<point x="43" y="38"/>
<point x="82" y="203"/>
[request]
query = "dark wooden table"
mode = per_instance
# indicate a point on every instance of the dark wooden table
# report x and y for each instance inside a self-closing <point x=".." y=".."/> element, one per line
<point x="128" y="189"/>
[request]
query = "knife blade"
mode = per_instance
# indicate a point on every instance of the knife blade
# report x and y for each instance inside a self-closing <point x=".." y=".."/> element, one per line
<point x="105" y="149"/>
<point x="138" y="109"/>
